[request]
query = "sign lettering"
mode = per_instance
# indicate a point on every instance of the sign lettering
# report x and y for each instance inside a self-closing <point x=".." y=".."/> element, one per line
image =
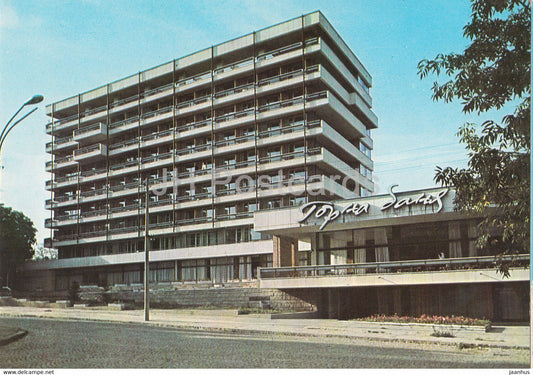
<point x="329" y="213"/>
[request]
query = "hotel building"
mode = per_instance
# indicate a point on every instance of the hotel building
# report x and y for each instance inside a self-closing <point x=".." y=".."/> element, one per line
<point x="257" y="155"/>
<point x="272" y="119"/>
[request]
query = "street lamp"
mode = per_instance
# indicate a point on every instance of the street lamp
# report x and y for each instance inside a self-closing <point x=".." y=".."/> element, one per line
<point x="7" y="128"/>
<point x="33" y="100"/>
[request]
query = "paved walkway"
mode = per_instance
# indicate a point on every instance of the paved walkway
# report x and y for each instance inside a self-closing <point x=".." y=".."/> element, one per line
<point x="229" y="321"/>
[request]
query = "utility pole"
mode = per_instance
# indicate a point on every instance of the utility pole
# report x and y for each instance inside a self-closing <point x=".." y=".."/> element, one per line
<point x="146" y="256"/>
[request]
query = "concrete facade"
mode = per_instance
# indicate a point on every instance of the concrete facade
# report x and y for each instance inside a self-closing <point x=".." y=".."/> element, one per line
<point x="255" y="123"/>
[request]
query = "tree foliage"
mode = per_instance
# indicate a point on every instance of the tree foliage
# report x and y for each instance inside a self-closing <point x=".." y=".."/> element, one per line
<point x="43" y="253"/>
<point x="17" y="237"/>
<point x="493" y="73"/>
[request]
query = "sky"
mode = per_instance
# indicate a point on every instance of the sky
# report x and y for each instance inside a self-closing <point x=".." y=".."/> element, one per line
<point x="62" y="48"/>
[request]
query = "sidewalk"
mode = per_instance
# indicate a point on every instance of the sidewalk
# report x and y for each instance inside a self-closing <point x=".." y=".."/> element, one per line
<point x="228" y="321"/>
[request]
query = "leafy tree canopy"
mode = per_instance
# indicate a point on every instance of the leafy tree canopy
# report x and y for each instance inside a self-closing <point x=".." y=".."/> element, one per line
<point x="493" y="73"/>
<point x="17" y="237"/>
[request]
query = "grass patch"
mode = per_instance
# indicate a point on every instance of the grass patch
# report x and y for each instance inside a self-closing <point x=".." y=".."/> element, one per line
<point x="442" y="332"/>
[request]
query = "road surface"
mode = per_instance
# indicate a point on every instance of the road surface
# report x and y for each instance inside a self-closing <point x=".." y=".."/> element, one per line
<point x="80" y="344"/>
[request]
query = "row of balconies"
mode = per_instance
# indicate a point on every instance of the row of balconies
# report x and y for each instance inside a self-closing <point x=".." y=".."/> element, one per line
<point x="181" y="85"/>
<point x="157" y="228"/>
<point x="199" y="199"/>
<point x="205" y="199"/>
<point x="87" y="176"/>
<point x="204" y="78"/>
<point x="98" y="131"/>
<point x="294" y="132"/>
<point x="182" y="177"/>
<point x="70" y="161"/>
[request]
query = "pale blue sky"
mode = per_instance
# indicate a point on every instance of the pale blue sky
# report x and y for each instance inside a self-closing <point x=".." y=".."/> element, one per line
<point x="62" y="48"/>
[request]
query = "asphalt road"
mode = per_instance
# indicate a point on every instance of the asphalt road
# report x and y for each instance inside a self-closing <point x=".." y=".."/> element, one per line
<point x="76" y="344"/>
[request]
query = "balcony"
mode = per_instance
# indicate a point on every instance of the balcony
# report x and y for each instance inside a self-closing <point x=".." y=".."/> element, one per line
<point x="123" y="125"/>
<point x="158" y="115"/>
<point x="90" y="134"/>
<point x="193" y="82"/>
<point x="50" y="223"/>
<point x="91" y="114"/>
<point x="123" y="104"/>
<point x="193" y="105"/>
<point x="60" y="163"/>
<point x="60" y="124"/>
<point x="60" y="144"/>
<point x="91" y="153"/>
<point x="61" y="220"/>
<point x="69" y="179"/>
<point x="411" y="272"/>
<point x="157" y="93"/>
<point x="59" y="201"/>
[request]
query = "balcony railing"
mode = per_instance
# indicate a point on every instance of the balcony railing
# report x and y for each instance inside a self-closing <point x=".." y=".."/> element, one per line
<point x="89" y="149"/>
<point x="153" y="136"/>
<point x="424" y="265"/>
<point x="87" y="129"/>
<point x="193" y="125"/>
<point x="93" y="172"/>
<point x="193" y="149"/>
<point x="290" y="155"/>
<point x="285" y="49"/>
<point x="124" y="144"/>
<point x="57" y="142"/>
<point x="234" y="90"/>
<point x="158" y="112"/>
<point x="121" y="123"/>
<point x="297" y="126"/>
<point x="157" y="90"/>
<point x="195" y="78"/>
<point x="57" y="163"/>
<point x="239" y="64"/>
<point x="235" y="141"/>
<point x="93" y="111"/>
<point x="124" y="101"/>
<point x="190" y="103"/>
<point x="234" y="115"/>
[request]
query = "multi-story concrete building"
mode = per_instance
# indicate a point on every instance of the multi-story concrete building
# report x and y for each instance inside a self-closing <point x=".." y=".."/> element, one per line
<point x="272" y="119"/>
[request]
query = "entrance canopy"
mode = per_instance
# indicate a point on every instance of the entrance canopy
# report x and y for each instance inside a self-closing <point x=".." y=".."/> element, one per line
<point x="393" y="208"/>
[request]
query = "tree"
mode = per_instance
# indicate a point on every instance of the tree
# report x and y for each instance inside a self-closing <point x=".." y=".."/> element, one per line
<point x="17" y="237"/>
<point x="493" y="73"/>
<point x="43" y="253"/>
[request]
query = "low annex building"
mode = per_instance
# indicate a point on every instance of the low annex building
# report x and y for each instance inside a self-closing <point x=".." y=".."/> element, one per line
<point x="403" y="253"/>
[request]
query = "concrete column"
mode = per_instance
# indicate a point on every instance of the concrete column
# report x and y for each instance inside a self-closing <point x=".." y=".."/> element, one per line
<point x="285" y="252"/>
<point x="333" y="304"/>
<point x="294" y="253"/>
<point x="314" y="251"/>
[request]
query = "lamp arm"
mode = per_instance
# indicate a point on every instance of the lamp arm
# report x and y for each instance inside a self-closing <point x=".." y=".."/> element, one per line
<point x="11" y="119"/>
<point x="3" y="136"/>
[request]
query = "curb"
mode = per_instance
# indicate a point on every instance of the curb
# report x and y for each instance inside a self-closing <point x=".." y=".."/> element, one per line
<point x="459" y="345"/>
<point x="13" y="337"/>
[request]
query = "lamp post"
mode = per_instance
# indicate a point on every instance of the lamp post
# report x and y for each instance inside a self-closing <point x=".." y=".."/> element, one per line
<point x="8" y="127"/>
<point x="33" y="100"/>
